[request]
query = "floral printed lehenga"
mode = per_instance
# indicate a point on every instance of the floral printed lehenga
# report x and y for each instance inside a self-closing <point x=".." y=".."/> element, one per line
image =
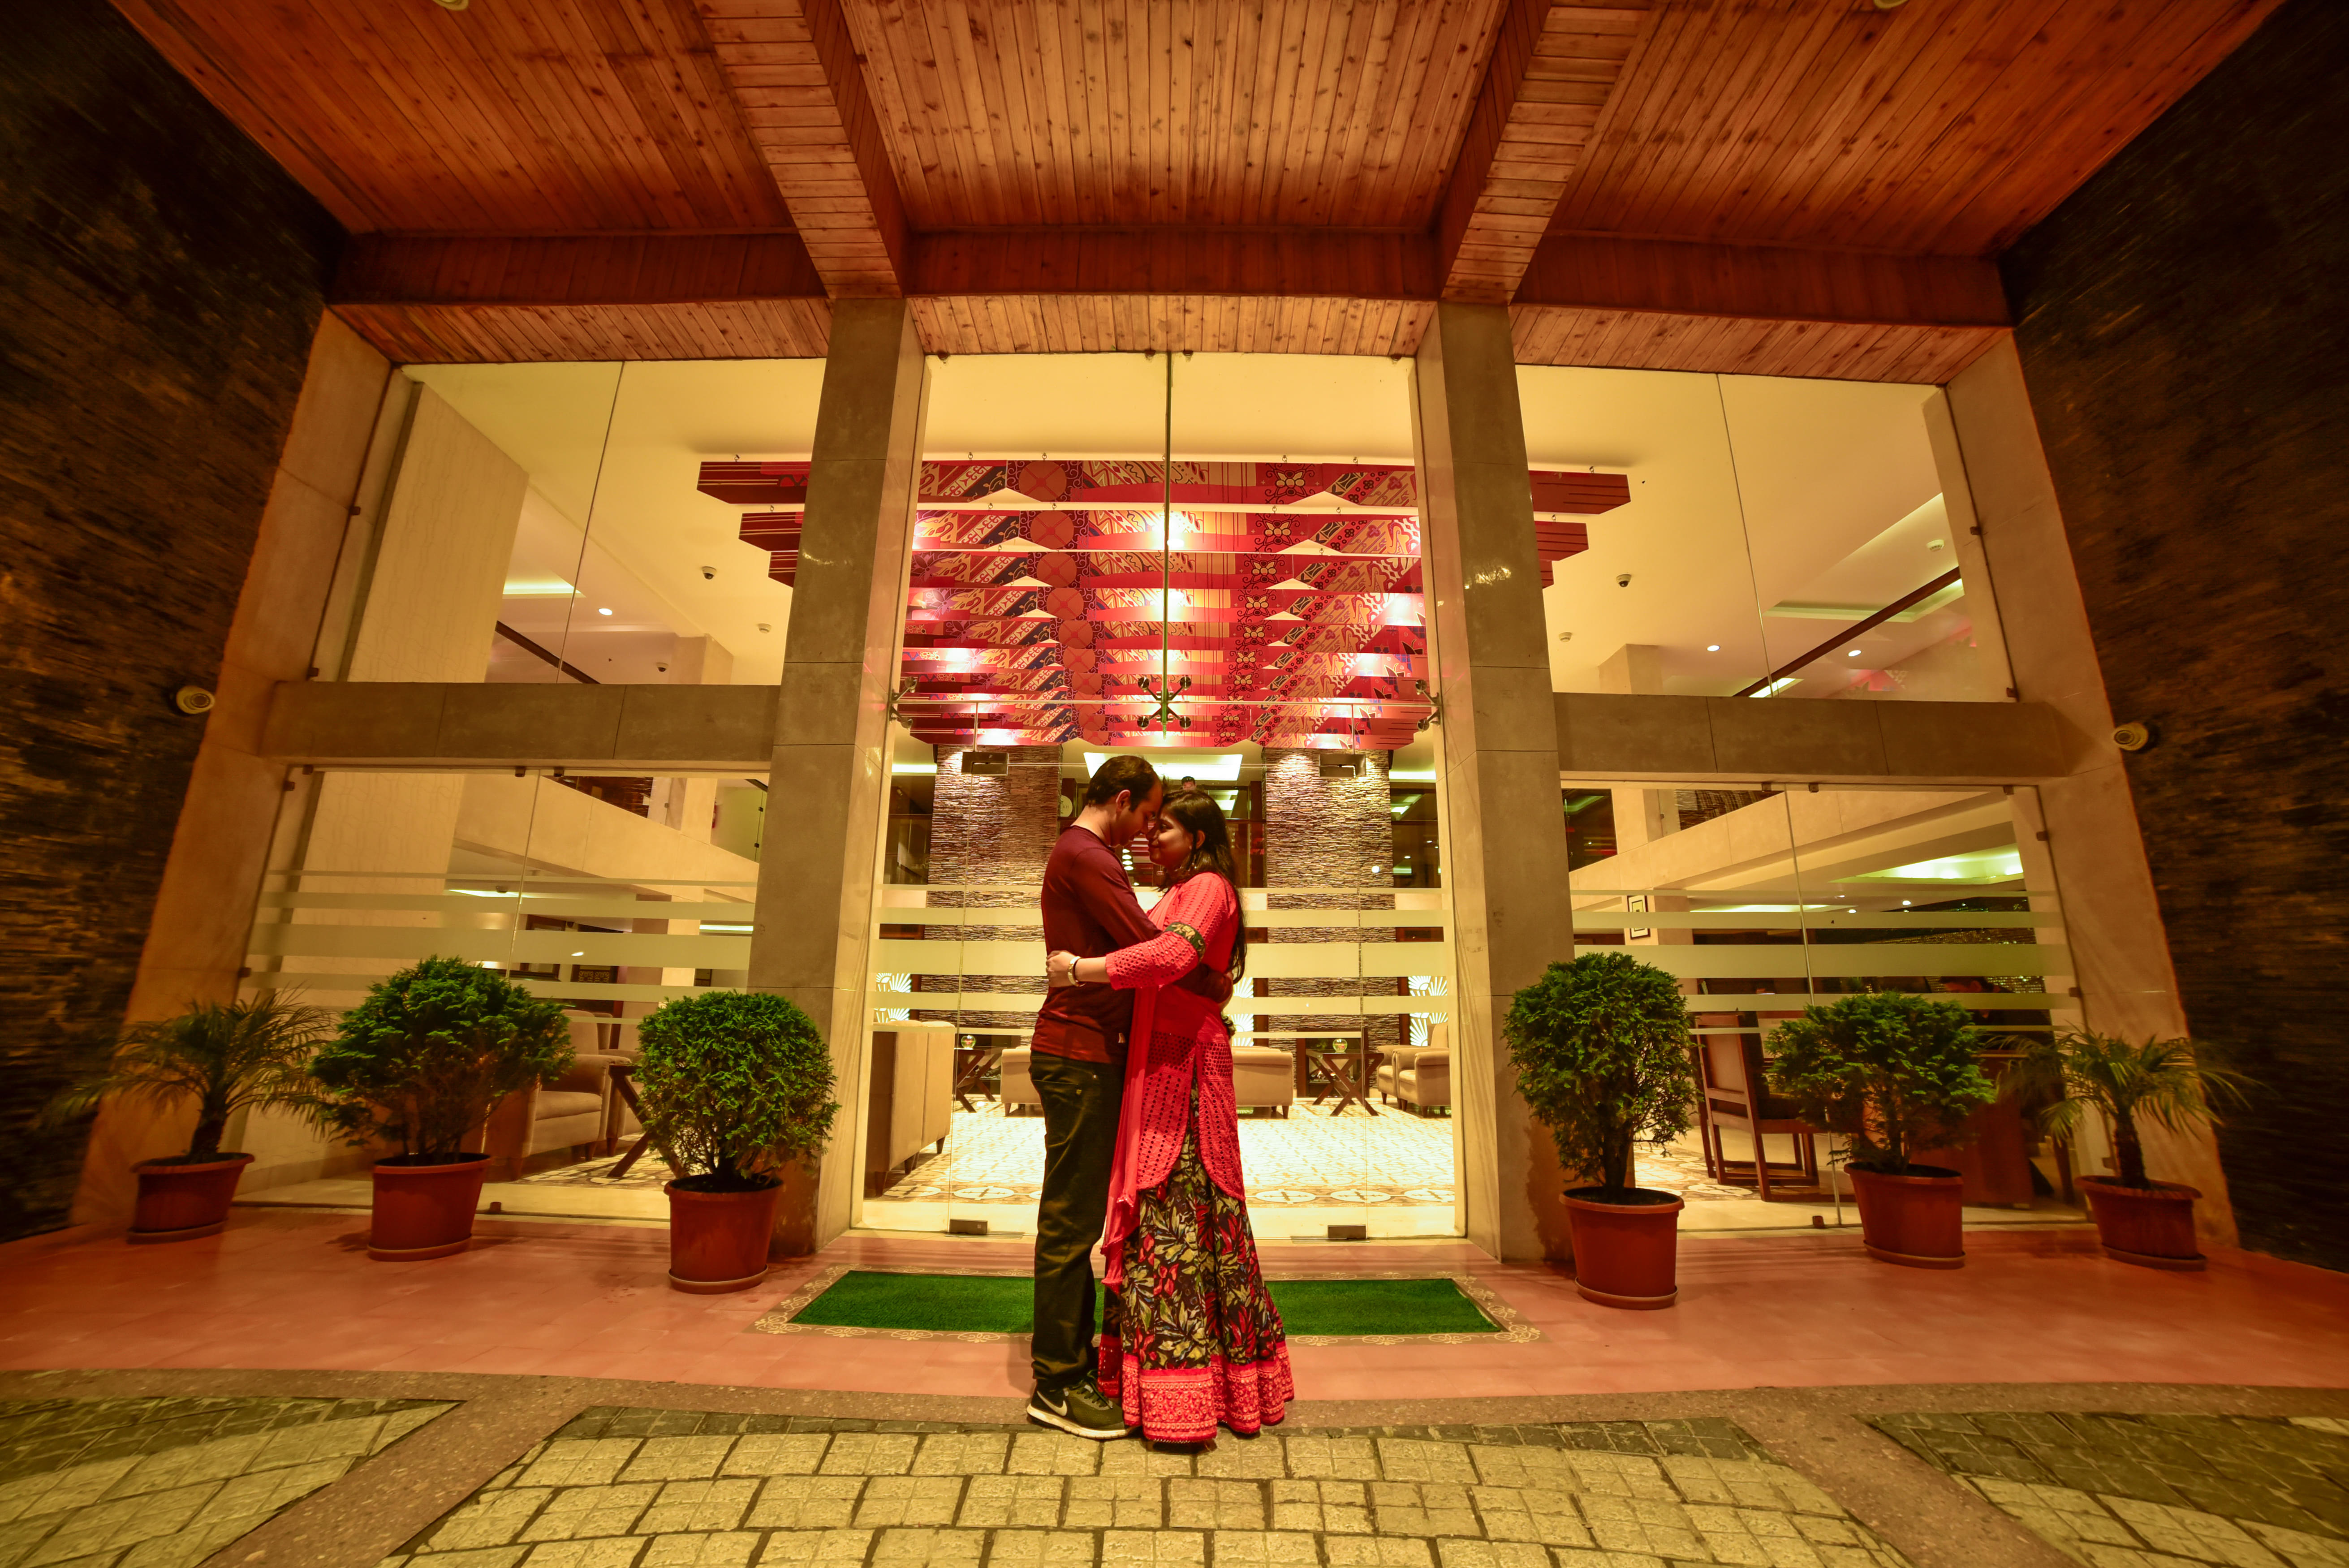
<point x="1190" y="1337"/>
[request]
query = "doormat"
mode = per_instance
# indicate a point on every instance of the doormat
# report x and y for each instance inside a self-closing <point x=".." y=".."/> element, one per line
<point x="1372" y="1309"/>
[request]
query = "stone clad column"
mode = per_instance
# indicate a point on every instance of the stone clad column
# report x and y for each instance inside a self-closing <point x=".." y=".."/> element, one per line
<point x="1995" y="473"/>
<point x="827" y="784"/>
<point x="1505" y="838"/>
<point x="991" y="828"/>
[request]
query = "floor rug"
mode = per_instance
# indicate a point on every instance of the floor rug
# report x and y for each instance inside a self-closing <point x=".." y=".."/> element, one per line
<point x="1385" y="1309"/>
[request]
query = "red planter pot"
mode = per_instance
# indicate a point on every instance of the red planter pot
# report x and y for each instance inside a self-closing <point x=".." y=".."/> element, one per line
<point x="2153" y="1228"/>
<point x="719" y="1242"/>
<point x="179" y="1203"/>
<point x="425" y="1210"/>
<point x="1915" y="1220"/>
<point x="1625" y="1254"/>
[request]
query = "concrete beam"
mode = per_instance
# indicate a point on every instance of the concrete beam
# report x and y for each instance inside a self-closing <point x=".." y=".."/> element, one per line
<point x="671" y="729"/>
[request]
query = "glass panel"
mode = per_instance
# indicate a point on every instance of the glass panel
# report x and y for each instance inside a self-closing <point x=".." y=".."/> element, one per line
<point x="577" y="899"/>
<point x="1802" y="896"/>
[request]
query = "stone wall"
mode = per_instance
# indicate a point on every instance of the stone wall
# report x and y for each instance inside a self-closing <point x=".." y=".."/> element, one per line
<point x="2180" y="325"/>
<point x="992" y="828"/>
<point x="1328" y="832"/>
<point x="161" y="279"/>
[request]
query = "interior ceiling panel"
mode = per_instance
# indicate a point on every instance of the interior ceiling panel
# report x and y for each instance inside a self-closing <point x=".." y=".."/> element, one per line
<point x="555" y="114"/>
<point x="1241" y="112"/>
<point x="1945" y="128"/>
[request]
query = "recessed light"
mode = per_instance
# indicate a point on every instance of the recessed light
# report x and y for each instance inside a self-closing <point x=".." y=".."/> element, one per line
<point x="1712" y="648"/>
<point x="603" y="610"/>
<point x="1853" y="654"/>
<point x="579" y="954"/>
<point x="1904" y="901"/>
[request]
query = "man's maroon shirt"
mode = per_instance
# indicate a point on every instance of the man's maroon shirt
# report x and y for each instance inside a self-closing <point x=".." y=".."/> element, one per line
<point x="1090" y="910"/>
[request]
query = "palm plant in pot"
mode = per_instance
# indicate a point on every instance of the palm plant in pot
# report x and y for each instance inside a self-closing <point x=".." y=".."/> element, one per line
<point x="2138" y="1220"/>
<point x="418" y="1064"/>
<point x="1895" y="1074"/>
<point x="223" y="1057"/>
<point x="1601" y="1049"/>
<point x="736" y="1089"/>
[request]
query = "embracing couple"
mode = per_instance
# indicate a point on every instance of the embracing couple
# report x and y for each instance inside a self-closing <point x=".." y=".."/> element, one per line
<point x="1133" y="1061"/>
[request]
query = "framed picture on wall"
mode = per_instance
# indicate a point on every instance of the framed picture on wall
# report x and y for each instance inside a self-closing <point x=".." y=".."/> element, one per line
<point x="1636" y="903"/>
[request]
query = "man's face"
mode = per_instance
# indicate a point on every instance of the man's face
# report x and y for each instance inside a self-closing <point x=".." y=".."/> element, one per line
<point x="1138" y="814"/>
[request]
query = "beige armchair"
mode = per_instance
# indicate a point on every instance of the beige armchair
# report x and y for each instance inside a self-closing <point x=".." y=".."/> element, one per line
<point x="570" y="1114"/>
<point x="1427" y="1082"/>
<point x="1400" y="1059"/>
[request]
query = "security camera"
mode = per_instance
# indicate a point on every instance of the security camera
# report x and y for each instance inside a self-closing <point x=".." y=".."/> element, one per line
<point x="1623" y="579"/>
<point x="661" y="666"/>
<point x="708" y="573"/>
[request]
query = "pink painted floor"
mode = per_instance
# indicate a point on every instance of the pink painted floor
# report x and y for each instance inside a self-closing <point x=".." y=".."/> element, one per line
<point x="296" y="1291"/>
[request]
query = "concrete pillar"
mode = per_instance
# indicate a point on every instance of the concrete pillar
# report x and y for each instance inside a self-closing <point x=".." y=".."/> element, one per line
<point x="1505" y="843"/>
<point x="196" y="938"/>
<point x="2094" y="849"/>
<point x="829" y="777"/>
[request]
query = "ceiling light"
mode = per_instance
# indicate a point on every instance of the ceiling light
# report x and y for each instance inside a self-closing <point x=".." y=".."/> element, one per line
<point x="1712" y="648"/>
<point x="580" y="955"/>
<point x="1853" y="654"/>
<point x="604" y="610"/>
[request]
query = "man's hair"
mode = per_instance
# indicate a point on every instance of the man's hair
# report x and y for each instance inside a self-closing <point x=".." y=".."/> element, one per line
<point x="1131" y="774"/>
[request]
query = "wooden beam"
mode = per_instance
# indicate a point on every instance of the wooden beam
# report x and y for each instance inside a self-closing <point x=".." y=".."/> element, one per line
<point x="542" y="298"/>
<point x="1553" y="72"/>
<point x="1256" y="263"/>
<point x="1763" y="283"/>
<point x="796" y="74"/>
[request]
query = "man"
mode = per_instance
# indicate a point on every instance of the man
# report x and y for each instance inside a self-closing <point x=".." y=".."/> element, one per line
<point x="1077" y="1065"/>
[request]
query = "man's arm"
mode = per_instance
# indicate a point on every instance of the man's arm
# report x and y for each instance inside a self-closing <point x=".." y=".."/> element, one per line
<point x="1105" y="894"/>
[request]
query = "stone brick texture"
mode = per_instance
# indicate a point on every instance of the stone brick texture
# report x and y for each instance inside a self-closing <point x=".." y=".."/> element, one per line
<point x="991" y="828"/>
<point x="1327" y="832"/>
<point x="160" y="279"/>
<point x="641" y="1487"/>
<point x="2180" y="321"/>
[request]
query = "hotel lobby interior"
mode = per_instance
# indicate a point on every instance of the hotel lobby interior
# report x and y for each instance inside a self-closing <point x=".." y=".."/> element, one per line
<point x="1827" y="498"/>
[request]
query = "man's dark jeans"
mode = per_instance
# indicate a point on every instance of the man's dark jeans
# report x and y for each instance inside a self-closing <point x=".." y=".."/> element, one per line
<point x="1080" y="1110"/>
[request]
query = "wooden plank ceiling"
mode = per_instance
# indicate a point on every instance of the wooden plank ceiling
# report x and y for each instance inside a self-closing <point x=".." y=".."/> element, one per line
<point x="1801" y="187"/>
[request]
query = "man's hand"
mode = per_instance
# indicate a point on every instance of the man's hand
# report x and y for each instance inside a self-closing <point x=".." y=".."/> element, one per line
<point x="1060" y="969"/>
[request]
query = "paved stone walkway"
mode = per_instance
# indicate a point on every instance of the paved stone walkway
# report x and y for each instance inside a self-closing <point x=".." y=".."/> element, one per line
<point x="2135" y="1491"/>
<point x="163" y="1483"/>
<point x="643" y="1489"/>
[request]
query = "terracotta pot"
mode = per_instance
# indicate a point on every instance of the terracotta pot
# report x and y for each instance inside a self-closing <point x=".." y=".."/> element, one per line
<point x="180" y="1202"/>
<point x="425" y="1210"/>
<point x="1914" y="1220"/>
<point x="795" y="1216"/>
<point x="1625" y="1254"/>
<point x="719" y="1242"/>
<point x="2154" y="1227"/>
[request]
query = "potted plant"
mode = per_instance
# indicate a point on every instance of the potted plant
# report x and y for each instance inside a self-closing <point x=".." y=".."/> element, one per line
<point x="1601" y="1049"/>
<point x="1894" y="1073"/>
<point x="736" y="1089"/>
<point x="2138" y="1220"/>
<point x="226" y="1058"/>
<point x="418" y="1064"/>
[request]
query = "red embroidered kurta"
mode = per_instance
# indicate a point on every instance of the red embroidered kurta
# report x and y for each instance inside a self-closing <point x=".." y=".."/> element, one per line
<point x="1188" y="1046"/>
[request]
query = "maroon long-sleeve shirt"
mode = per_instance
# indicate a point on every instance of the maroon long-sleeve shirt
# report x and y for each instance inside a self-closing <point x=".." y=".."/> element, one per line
<point x="1090" y="910"/>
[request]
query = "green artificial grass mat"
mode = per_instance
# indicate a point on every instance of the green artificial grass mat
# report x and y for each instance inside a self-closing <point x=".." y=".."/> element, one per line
<point x="989" y="1304"/>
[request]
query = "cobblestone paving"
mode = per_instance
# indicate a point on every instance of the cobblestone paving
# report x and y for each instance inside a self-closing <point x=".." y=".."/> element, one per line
<point x="2135" y="1491"/>
<point x="639" y="1489"/>
<point x="164" y="1483"/>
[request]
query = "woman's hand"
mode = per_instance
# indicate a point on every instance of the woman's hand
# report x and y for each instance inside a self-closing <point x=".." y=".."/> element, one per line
<point x="1060" y="969"/>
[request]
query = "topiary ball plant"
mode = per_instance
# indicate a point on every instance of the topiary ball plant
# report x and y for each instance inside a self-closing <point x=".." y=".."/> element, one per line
<point x="421" y="1061"/>
<point x="736" y="1085"/>
<point x="1891" y="1071"/>
<point x="1601" y="1048"/>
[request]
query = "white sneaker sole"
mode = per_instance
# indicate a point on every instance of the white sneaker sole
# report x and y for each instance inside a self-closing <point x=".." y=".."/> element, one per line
<point x="1037" y="1412"/>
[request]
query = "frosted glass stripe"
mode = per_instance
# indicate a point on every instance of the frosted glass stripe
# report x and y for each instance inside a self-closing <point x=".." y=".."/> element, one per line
<point x="409" y="942"/>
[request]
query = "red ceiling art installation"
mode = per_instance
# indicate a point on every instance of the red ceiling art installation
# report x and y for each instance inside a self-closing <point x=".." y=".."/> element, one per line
<point x="1045" y="591"/>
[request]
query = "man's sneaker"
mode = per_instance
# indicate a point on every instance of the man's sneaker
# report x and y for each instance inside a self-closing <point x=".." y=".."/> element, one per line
<point x="1080" y="1408"/>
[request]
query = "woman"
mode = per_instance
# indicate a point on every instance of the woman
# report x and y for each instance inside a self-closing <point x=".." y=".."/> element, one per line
<point x="1191" y="1337"/>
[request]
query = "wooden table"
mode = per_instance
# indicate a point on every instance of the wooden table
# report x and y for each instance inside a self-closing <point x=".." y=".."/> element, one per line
<point x="1334" y="1064"/>
<point x="978" y="1061"/>
<point x="623" y="1084"/>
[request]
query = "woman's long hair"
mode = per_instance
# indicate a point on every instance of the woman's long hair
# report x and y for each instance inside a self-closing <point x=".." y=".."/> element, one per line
<point x="1211" y="850"/>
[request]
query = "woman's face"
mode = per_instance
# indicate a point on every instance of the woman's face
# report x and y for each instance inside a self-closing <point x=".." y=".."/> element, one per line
<point x="1170" y="845"/>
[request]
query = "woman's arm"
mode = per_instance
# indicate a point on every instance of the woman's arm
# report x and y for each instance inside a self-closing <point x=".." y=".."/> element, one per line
<point x="1194" y="910"/>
